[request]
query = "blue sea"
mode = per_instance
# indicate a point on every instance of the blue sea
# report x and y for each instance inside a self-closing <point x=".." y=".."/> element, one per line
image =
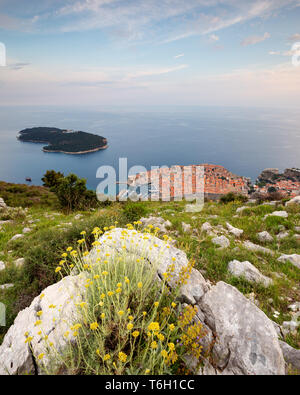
<point x="244" y="140"/>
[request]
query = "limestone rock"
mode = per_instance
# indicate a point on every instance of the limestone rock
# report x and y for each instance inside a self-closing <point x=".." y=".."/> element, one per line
<point x="16" y="237"/>
<point x="241" y="209"/>
<point x="221" y="241"/>
<point x="282" y="214"/>
<point x="265" y="237"/>
<point x="291" y="355"/>
<point x="19" y="262"/>
<point x="235" y="231"/>
<point x="206" y="227"/>
<point x="26" y="230"/>
<point x="246" y="339"/>
<point x="295" y="200"/>
<point x="255" y="247"/>
<point x="157" y="222"/>
<point x="2" y="204"/>
<point x="249" y="272"/>
<point x="289" y="327"/>
<point x="186" y="227"/>
<point x="282" y="235"/>
<point x="6" y="286"/>
<point x="294" y="259"/>
<point x="294" y="307"/>
<point x="6" y="222"/>
<point x="158" y="253"/>
<point x="16" y="356"/>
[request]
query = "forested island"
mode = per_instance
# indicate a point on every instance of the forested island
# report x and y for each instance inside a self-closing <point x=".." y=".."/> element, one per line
<point x="63" y="140"/>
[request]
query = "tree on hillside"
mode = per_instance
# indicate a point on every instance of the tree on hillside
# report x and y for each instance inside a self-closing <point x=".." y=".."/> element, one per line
<point x="52" y="178"/>
<point x="71" y="191"/>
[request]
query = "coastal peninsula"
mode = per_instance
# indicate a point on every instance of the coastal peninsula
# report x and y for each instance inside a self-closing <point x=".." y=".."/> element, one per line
<point x="63" y="140"/>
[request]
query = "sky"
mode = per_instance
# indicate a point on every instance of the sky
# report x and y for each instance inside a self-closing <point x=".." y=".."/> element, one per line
<point x="150" y="52"/>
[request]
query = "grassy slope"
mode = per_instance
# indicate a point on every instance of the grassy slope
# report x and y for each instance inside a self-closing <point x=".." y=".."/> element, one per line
<point x="53" y="233"/>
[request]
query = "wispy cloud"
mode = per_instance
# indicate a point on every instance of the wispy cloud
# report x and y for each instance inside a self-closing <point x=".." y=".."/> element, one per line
<point x="155" y="72"/>
<point x="255" y="39"/>
<point x="214" y="38"/>
<point x="179" y="56"/>
<point x="157" y="20"/>
<point x="295" y="37"/>
<point x="17" y="66"/>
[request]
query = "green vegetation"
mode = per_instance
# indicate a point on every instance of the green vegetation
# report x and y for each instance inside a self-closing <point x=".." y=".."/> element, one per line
<point x="136" y="326"/>
<point x="53" y="231"/>
<point x="21" y="195"/>
<point x="231" y="197"/>
<point x="62" y="141"/>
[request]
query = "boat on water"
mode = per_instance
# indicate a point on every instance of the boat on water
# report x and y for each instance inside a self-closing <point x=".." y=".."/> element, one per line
<point x="28" y="179"/>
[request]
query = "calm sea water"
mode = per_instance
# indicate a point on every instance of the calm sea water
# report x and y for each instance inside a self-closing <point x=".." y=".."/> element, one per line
<point x="245" y="141"/>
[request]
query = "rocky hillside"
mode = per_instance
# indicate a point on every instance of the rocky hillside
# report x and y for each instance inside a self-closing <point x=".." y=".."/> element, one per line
<point x="243" y="265"/>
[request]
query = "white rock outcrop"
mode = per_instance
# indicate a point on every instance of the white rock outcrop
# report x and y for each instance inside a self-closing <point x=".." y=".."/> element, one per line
<point x="282" y="214"/>
<point x="16" y="357"/>
<point x="265" y="237"/>
<point x="247" y="342"/>
<point x="294" y="259"/>
<point x="186" y="227"/>
<point x="19" y="262"/>
<point x="2" y="266"/>
<point x="2" y="204"/>
<point x="242" y="338"/>
<point x="249" y="272"/>
<point x="235" y="231"/>
<point x="16" y="237"/>
<point x="221" y="241"/>
<point x="157" y="222"/>
<point x="295" y="200"/>
<point x="282" y="235"/>
<point x="257" y="248"/>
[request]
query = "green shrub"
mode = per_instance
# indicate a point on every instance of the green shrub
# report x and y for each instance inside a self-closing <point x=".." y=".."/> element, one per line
<point x="134" y="211"/>
<point x="232" y="197"/>
<point x="127" y="322"/>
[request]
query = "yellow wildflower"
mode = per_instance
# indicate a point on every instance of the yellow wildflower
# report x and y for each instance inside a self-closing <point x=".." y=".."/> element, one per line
<point x="171" y="346"/>
<point x="135" y="333"/>
<point x="122" y="357"/>
<point x="154" y="345"/>
<point x="94" y="326"/>
<point x="129" y="327"/>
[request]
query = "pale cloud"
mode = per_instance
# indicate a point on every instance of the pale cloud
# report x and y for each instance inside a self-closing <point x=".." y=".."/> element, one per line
<point x="155" y="72"/>
<point x="140" y="19"/>
<point x="214" y="38"/>
<point x="295" y="37"/>
<point x="255" y="39"/>
<point x="179" y="56"/>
